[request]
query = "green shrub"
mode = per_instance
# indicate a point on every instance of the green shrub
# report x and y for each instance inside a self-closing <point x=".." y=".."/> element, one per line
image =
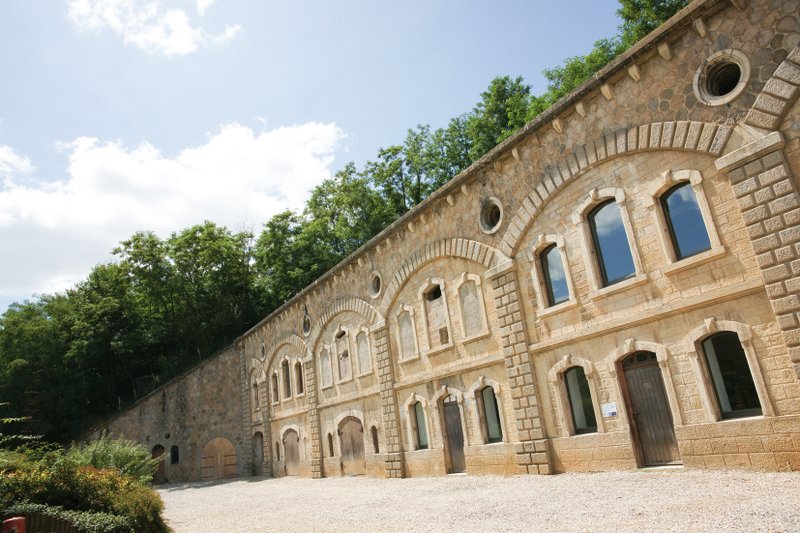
<point x="130" y="458"/>
<point x="85" y="521"/>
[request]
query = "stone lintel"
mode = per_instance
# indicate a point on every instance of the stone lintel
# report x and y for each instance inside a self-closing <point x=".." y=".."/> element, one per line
<point x="500" y="269"/>
<point x="750" y="152"/>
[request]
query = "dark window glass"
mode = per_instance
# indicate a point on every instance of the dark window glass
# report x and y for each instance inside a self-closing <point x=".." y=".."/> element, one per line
<point x="555" y="279"/>
<point x="580" y="400"/>
<point x="274" y="387"/>
<point x="298" y="371"/>
<point x="330" y="445"/>
<point x="375" y="447"/>
<point x="730" y="374"/>
<point x="174" y="455"/>
<point x="491" y="415"/>
<point x="611" y="243"/>
<point x="420" y="430"/>
<point x="686" y="227"/>
<point x="256" y="403"/>
<point x="287" y="382"/>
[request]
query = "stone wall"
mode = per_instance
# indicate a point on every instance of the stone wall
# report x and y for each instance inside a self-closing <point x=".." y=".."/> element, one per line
<point x="452" y="301"/>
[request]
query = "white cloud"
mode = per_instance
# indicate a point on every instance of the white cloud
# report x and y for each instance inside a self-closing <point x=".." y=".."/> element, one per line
<point x="147" y="25"/>
<point x="55" y="231"/>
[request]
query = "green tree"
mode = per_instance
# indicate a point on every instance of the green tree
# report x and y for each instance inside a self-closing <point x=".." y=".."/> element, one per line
<point x="502" y="110"/>
<point x="640" y="17"/>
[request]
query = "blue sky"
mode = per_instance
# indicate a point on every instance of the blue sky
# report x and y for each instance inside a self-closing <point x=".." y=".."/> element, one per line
<point x="121" y="115"/>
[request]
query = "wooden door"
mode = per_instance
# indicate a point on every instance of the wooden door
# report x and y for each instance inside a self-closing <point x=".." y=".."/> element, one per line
<point x="219" y="460"/>
<point x="455" y="434"/>
<point x="291" y="453"/>
<point x="651" y="419"/>
<point x="161" y="475"/>
<point x="351" y="437"/>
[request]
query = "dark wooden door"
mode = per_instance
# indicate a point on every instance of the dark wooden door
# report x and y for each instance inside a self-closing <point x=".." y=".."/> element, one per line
<point x="651" y="420"/>
<point x="351" y="436"/>
<point x="161" y="474"/>
<point x="291" y="453"/>
<point x="455" y="435"/>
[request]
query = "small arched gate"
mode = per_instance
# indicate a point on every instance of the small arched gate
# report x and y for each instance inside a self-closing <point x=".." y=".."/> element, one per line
<point x="291" y="453"/>
<point x="351" y="438"/>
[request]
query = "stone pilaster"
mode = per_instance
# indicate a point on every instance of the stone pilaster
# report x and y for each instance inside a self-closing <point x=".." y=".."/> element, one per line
<point x="244" y="442"/>
<point x="389" y="412"/>
<point x="310" y="374"/>
<point x="768" y="198"/>
<point x="533" y="447"/>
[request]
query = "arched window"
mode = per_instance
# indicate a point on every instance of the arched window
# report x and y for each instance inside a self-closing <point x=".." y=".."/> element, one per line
<point x="489" y="412"/>
<point x="287" y="382"/>
<point x="330" y="445"/>
<point x="687" y="230"/>
<point x="275" y="394"/>
<point x="730" y="374"/>
<point x="374" y="432"/>
<point x="174" y="455"/>
<point x="555" y="278"/>
<point x="364" y="356"/>
<point x="436" y="314"/>
<point x="256" y="402"/>
<point x="419" y="427"/>
<point x="611" y="245"/>
<point x="580" y="401"/>
<point x="300" y="385"/>
<point x="343" y="355"/>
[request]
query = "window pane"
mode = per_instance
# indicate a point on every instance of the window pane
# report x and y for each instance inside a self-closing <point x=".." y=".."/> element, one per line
<point x="611" y="243"/>
<point x="686" y="226"/>
<point x="287" y="383"/>
<point x="422" y="432"/>
<point x="555" y="279"/>
<point x="494" y="433"/>
<point x="731" y="376"/>
<point x="580" y="400"/>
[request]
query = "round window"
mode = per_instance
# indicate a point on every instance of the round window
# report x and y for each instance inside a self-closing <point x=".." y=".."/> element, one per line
<point x="306" y="324"/>
<point x="375" y="284"/>
<point x="722" y="77"/>
<point x="491" y="215"/>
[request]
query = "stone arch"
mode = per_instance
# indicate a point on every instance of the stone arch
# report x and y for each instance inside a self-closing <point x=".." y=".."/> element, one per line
<point x="356" y="305"/>
<point x="701" y="137"/>
<point x="454" y="247"/>
<point x="285" y="428"/>
<point x="442" y="393"/>
<point x="662" y="355"/>
<point x="291" y="339"/>
<point x="745" y="333"/>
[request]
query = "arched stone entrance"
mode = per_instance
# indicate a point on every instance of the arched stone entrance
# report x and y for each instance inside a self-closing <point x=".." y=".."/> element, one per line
<point x="161" y="472"/>
<point x="219" y="460"/>
<point x="351" y="438"/>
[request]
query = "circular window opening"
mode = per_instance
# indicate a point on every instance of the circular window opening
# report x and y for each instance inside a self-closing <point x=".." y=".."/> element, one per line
<point x="491" y="215"/>
<point x="723" y="78"/>
<point x="376" y="284"/>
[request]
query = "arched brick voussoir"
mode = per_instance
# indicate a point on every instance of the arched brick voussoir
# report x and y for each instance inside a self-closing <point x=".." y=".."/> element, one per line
<point x="356" y="305"/>
<point x="702" y="137"/>
<point x="453" y="247"/>
<point x="290" y="338"/>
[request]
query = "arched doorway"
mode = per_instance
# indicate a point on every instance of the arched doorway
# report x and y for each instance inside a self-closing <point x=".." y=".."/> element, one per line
<point x="161" y="473"/>
<point x="351" y="438"/>
<point x="258" y="453"/>
<point x="219" y="460"/>
<point x="454" y="433"/>
<point x="291" y="453"/>
<point x="648" y="410"/>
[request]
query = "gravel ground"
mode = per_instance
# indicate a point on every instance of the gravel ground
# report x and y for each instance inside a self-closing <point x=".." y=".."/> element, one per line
<point x="644" y="500"/>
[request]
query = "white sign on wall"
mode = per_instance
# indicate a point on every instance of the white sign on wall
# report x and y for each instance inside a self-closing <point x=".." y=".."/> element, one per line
<point x="608" y="409"/>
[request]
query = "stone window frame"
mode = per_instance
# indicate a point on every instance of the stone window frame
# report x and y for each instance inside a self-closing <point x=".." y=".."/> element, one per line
<point x="361" y="372"/>
<point x="580" y="217"/>
<point x="337" y="378"/>
<point x="409" y="417"/>
<point x="461" y="280"/>
<point x="730" y="55"/>
<point x="298" y="363"/>
<point x="665" y="183"/>
<point x="693" y="346"/>
<point x="474" y="399"/>
<point x="542" y="243"/>
<point x="325" y="348"/>
<point x="431" y="282"/>
<point x="663" y="355"/>
<point x="275" y="397"/>
<point x="255" y="398"/>
<point x="436" y="403"/>
<point x="403" y="357"/>
<point x="556" y="378"/>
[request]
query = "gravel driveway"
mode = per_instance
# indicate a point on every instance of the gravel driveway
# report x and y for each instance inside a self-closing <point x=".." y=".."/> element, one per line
<point x="644" y="500"/>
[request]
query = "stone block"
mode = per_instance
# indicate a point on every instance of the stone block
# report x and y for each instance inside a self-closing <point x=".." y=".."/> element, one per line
<point x="780" y="88"/>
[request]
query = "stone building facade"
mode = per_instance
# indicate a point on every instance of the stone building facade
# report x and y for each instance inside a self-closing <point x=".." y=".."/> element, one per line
<point x="615" y="286"/>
